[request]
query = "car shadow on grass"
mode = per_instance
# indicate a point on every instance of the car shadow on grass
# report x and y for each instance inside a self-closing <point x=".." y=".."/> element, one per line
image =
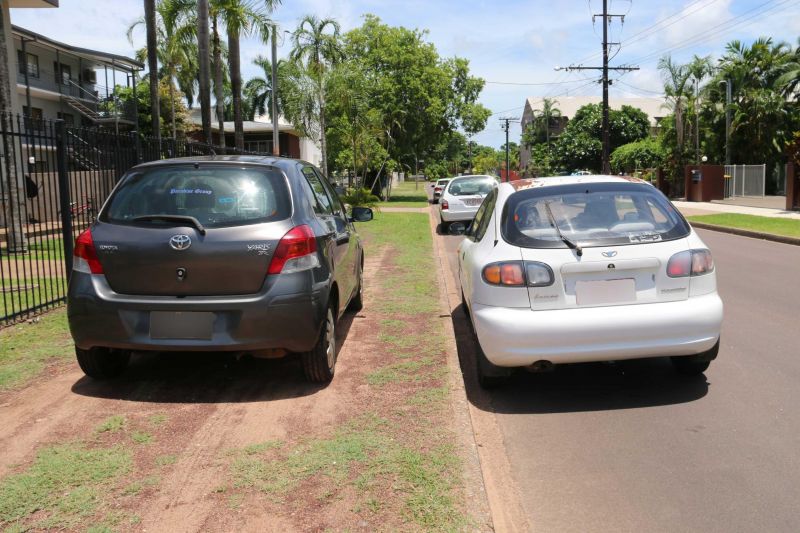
<point x="208" y="377"/>
<point x="578" y="387"/>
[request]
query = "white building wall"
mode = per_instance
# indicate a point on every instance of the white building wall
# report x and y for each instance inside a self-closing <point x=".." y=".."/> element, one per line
<point x="310" y="152"/>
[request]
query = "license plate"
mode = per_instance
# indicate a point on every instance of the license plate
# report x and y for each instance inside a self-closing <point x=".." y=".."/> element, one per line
<point x="614" y="291"/>
<point x="181" y="325"/>
<point x="472" y="202"/>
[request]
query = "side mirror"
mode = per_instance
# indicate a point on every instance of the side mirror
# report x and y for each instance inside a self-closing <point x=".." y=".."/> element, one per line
<point x="361" y="214"/>
<point x="457" y="228"/>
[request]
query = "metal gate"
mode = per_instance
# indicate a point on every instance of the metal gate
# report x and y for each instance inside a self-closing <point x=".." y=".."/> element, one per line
<point x="745" y="180"/>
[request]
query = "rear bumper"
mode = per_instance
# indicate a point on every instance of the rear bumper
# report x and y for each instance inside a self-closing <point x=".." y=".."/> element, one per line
<point x="99" y="317"/>
<point x="457" y="216"/>
<point x="520" y="337"/>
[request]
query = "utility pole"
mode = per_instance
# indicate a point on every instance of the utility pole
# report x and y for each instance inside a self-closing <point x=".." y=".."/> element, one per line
<point x="469" y="151"/>
<point x="505" y="122"/>
<point x="607" y="18"/>
<point x="205" y="69"/>
<point x="696" y="122"/>
<point x="276" y="139"/>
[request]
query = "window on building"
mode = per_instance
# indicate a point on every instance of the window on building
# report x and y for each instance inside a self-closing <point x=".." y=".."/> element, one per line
<point x="66" y="73"/>
<point x="33" y="118"/>
<point x="68" y="118"/>
<point x="32" y="64"/>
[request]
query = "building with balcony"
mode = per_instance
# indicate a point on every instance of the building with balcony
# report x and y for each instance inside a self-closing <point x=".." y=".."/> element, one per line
<point x="569" y="105"/>
<point x="60" y="81"/>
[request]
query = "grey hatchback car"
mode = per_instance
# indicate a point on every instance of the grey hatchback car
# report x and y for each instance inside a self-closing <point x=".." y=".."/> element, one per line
<point x="223" y="253"/>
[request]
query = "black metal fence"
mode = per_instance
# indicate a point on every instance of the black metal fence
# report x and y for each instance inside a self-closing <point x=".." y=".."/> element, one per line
<point x="53" y="180"/>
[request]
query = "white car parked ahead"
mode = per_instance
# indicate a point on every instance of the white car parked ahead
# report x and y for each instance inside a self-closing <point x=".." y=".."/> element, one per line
<point x="461" y="198"/>
<point x="586" y="268"/>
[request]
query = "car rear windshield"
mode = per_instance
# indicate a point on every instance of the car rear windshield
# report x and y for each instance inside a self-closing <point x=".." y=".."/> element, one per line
<point x="217" y="196"/>
<point x="470" y="186"/>
<point x="590" y="215"/>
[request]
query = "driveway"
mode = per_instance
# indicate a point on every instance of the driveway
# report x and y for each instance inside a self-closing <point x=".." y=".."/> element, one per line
<point x="634" y="447"/>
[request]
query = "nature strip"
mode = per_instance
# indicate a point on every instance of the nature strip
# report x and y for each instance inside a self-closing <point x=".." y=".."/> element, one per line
<point x="748" y="233"/>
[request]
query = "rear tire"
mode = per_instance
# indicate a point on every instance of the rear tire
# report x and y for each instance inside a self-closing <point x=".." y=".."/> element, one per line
<point x="320" y="362"/>
<point x="357" y="301"/>
<point x="102" y="363"/>
<point x="490" y="376"/>
<point x="693" y="365"/>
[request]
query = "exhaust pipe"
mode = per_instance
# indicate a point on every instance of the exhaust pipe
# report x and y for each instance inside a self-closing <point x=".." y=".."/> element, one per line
<point x="541" y="366"/>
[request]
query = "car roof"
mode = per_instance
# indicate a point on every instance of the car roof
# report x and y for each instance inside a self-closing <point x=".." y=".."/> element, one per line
<point x="225" y="159"/>
<point x="550" y="181"/>
<point x="473" y="176"/>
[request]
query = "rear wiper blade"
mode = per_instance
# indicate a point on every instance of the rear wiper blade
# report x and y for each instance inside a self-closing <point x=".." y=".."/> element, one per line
<point x="173" y="218"/>
<point x="568" y="242"/>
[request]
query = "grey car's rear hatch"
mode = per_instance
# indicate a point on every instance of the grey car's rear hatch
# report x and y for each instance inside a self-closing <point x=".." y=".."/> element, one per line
<point x="193" y="230"/>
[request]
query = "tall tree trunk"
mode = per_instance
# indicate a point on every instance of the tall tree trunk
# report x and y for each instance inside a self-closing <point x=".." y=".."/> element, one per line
<point x="172" y="101"/>
<point x="11" y="180"/>
<point x="218" y="94"/>
<point x="236" y="86"/>
<point x="152" y="65"/>
<point x="322" y="141"/>
<point x="205" y="68"/>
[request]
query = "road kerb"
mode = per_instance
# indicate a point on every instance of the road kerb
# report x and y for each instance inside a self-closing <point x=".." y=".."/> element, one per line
<point x="485" y="440"/>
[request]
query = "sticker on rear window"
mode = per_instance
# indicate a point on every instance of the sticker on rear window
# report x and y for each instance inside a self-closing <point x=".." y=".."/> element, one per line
<point x="191" y="191"/>
<point x="644" y="237"/>
<point x="227" y="200"/>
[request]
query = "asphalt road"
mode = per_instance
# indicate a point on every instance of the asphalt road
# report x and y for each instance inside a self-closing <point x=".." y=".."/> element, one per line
<point x="634" y="447"/>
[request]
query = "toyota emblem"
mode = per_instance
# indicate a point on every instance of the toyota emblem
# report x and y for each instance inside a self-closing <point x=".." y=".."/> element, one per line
<point x="180" y="242"/>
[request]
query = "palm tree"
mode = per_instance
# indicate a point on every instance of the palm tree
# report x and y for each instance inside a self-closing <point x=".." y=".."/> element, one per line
<point x="789" y="81"/>
<point x="676" y="78"/>
<point x="152" y="64"/>
<point x="243" y="18"/>
<point x="259" y="91"/>
<point x="216" y="46"/>
<point x="204" y="68"/>
<point x="546" y="115"/>
<point x="318" y="50"/>
<point x="176" y="50"/>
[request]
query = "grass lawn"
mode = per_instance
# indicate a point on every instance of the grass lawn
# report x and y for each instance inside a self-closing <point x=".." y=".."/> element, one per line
<point x="406" y="195"/>
<point x="776" y="226"/>
<point x="25" y="349"/>
<point x="34" y="292"/>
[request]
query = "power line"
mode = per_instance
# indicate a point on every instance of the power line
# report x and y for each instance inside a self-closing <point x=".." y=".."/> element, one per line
<point x="661" y="93"/>
<point x="718" y="29"/>
<point x="532" y="84"/>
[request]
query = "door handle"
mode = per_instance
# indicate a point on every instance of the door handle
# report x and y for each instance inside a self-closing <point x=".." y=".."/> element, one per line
<point x="343" y="238"/>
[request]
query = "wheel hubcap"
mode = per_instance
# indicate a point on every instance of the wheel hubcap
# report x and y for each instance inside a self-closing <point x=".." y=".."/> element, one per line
<point x="330" y="341"/>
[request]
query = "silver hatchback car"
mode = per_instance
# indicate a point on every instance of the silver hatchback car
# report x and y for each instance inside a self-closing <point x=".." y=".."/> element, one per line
<point x="225" y="254"/>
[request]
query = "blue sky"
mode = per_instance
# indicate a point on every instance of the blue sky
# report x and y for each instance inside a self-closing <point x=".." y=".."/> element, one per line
<point x="507" y="41"/>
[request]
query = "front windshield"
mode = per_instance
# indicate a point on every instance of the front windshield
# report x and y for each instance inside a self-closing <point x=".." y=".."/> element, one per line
<point x="481" y="185"/>
<point x="595" y="215"/>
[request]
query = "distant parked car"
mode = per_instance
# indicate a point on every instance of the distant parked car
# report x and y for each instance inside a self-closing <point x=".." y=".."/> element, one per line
<point x="586" y="268"/>
<point x="438" y="187"/>
<point x="216" y="254"/>
<point x="461" y="198"/>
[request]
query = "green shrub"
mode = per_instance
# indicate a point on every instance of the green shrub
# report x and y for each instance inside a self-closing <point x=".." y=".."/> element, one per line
<point x="361" y="198"/>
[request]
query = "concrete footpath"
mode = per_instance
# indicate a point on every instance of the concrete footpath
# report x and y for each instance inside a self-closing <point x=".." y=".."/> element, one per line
<point x="710" y="208"/>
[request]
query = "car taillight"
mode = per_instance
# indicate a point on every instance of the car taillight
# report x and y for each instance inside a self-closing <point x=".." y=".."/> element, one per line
<point x="296" y="251"/>
<point x="518" y="274"/>
<point x="437" y="189"/>
<point x="690" y="263"/>
<point x="445" y="205"/>
<point x="85" y="256"/>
